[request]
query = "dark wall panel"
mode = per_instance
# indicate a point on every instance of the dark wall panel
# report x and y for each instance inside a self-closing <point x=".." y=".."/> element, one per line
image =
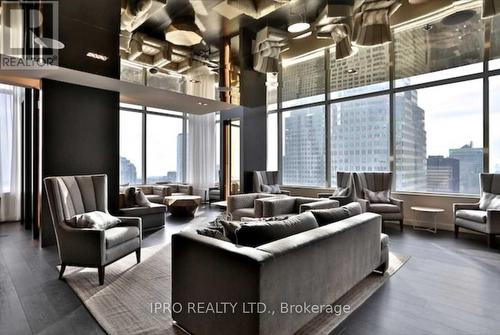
<point x="80" y="135"/>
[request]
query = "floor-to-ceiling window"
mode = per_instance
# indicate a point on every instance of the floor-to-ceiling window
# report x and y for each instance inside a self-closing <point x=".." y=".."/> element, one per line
<point x="495" y="121"/>
<point x="304" y="146"/>
<point x="415" y="106"/>
<point x="152" y="145"/>
<point x="131" y="131"/>
<point x="360" y="133"/>
<point x="11" y="99"/>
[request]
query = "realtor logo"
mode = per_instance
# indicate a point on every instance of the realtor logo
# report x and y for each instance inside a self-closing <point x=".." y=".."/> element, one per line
<point x="29" y="32"/>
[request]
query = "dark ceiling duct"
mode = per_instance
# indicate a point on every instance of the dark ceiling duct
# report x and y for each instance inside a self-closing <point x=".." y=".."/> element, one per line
<point x="371" y="21"/>
<point x="491" y="8"/>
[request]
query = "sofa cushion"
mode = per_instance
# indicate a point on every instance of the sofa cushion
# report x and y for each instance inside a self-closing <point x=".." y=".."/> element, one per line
<point x="489" y="201"/>
<point x="472" y="215"/>
<point x="213" y="233"/>
<point x="243" y="212"/>
<point x="158" y="199"/>
<point x="118" y="235"/>
<point x="377" y="197"/>
<point x="253" y="234"/>
<point x="139" y="211"/>
<point x="327" y="216"/>
<point x="147" y="189"/>
<point x="129" y="197"/>
<point x="230" y="228"/>
<point x="94" y="220"/>
<point x="384" y="208"/>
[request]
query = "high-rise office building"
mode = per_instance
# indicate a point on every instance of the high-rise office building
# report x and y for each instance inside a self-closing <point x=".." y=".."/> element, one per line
<point x="471" y="165"/>
<point x="304" y="147"/>
<point x="443" y="174"/>
<point x="128" y="172"/>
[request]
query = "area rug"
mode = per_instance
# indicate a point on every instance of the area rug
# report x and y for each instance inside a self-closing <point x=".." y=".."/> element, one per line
<point x="123" y="305"/>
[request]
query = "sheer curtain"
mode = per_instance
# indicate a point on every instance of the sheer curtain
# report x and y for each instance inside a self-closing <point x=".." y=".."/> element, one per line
<point x="201" y="138"/>
<point x="10" y="152"/>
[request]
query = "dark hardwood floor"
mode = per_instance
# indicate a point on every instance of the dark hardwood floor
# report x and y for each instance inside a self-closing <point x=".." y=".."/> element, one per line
<point x="447" y="287"/>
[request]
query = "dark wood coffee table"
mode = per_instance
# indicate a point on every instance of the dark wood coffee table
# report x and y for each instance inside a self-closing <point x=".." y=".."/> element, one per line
<point x="183" y="205"/>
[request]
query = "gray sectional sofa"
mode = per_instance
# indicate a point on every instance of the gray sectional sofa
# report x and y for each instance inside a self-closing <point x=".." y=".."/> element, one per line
<point x="264" y="205"/>
<point x="315" y="267"/>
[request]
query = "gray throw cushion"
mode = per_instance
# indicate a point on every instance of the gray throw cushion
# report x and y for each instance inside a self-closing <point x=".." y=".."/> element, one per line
<point x="230" y="228"/>
<point x="94" y="220"/>
<point x="327" y="216"/>
<point x="129" y="197"/>
<point x="340" y="192"/>
<point x="141" y="199"/>
<point x="489" y="201"/>
<point x="272" y="189"/>
<point x="253" y="234"/>
<point x="377" y="197"/>
<point x="213" y="233"/>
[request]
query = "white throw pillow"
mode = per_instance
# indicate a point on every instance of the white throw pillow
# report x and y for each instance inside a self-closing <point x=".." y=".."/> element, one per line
<point x="141" y="199"/>
<point x="95" y="220"/>
<point x="272" y="189"/>
<point x="489" y="201"/>
<point x="377" y="197"/>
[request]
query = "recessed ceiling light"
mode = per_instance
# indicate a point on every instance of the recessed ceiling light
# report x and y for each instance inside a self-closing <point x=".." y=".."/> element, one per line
<point x="202" y="103"/>
<point x="194" y="81"/>
<point x="298" y="27"/>
<point x="97" y="56"/>
<point x="352" y="71"/>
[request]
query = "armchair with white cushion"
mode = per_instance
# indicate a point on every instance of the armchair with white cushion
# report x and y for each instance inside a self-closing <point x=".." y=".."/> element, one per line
<point x="71" y="196"/>
<point x="484" y="216"/>
<point x="373" y="192"/>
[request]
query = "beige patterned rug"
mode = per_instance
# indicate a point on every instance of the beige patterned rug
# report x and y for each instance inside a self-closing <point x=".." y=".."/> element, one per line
<point x="123" y="304"/>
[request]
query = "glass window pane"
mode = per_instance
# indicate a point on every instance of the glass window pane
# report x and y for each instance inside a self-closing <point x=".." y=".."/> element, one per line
<point x="272" y="142"/>
<point x="131" y="73"/>
<point x="164" y="140"/>
<point x="365" y="72"/>
<point x="360" y="131"/>
<point x="304" y="154"/>
<point x="439" y="50"/>
<point x="495" y="43"/>
<point x="164" y="111"/>
<point x="494" y="122"/>
<point x="130" y="148"/>
<point x="439" y="138"/>
<point x="304" y="80"/>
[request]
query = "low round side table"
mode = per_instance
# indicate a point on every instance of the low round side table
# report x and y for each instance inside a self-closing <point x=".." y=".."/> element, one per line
<point x="434" y="212"/>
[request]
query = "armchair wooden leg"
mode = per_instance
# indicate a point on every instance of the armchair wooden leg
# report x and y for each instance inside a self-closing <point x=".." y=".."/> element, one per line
<point x="61" y="271"/>
<point x="457" y="230"/>
<point x="138" y="255"/>
<point x="100" y="271"/>
<point x="491" y="240"/>
<point x="401" y="226"/>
